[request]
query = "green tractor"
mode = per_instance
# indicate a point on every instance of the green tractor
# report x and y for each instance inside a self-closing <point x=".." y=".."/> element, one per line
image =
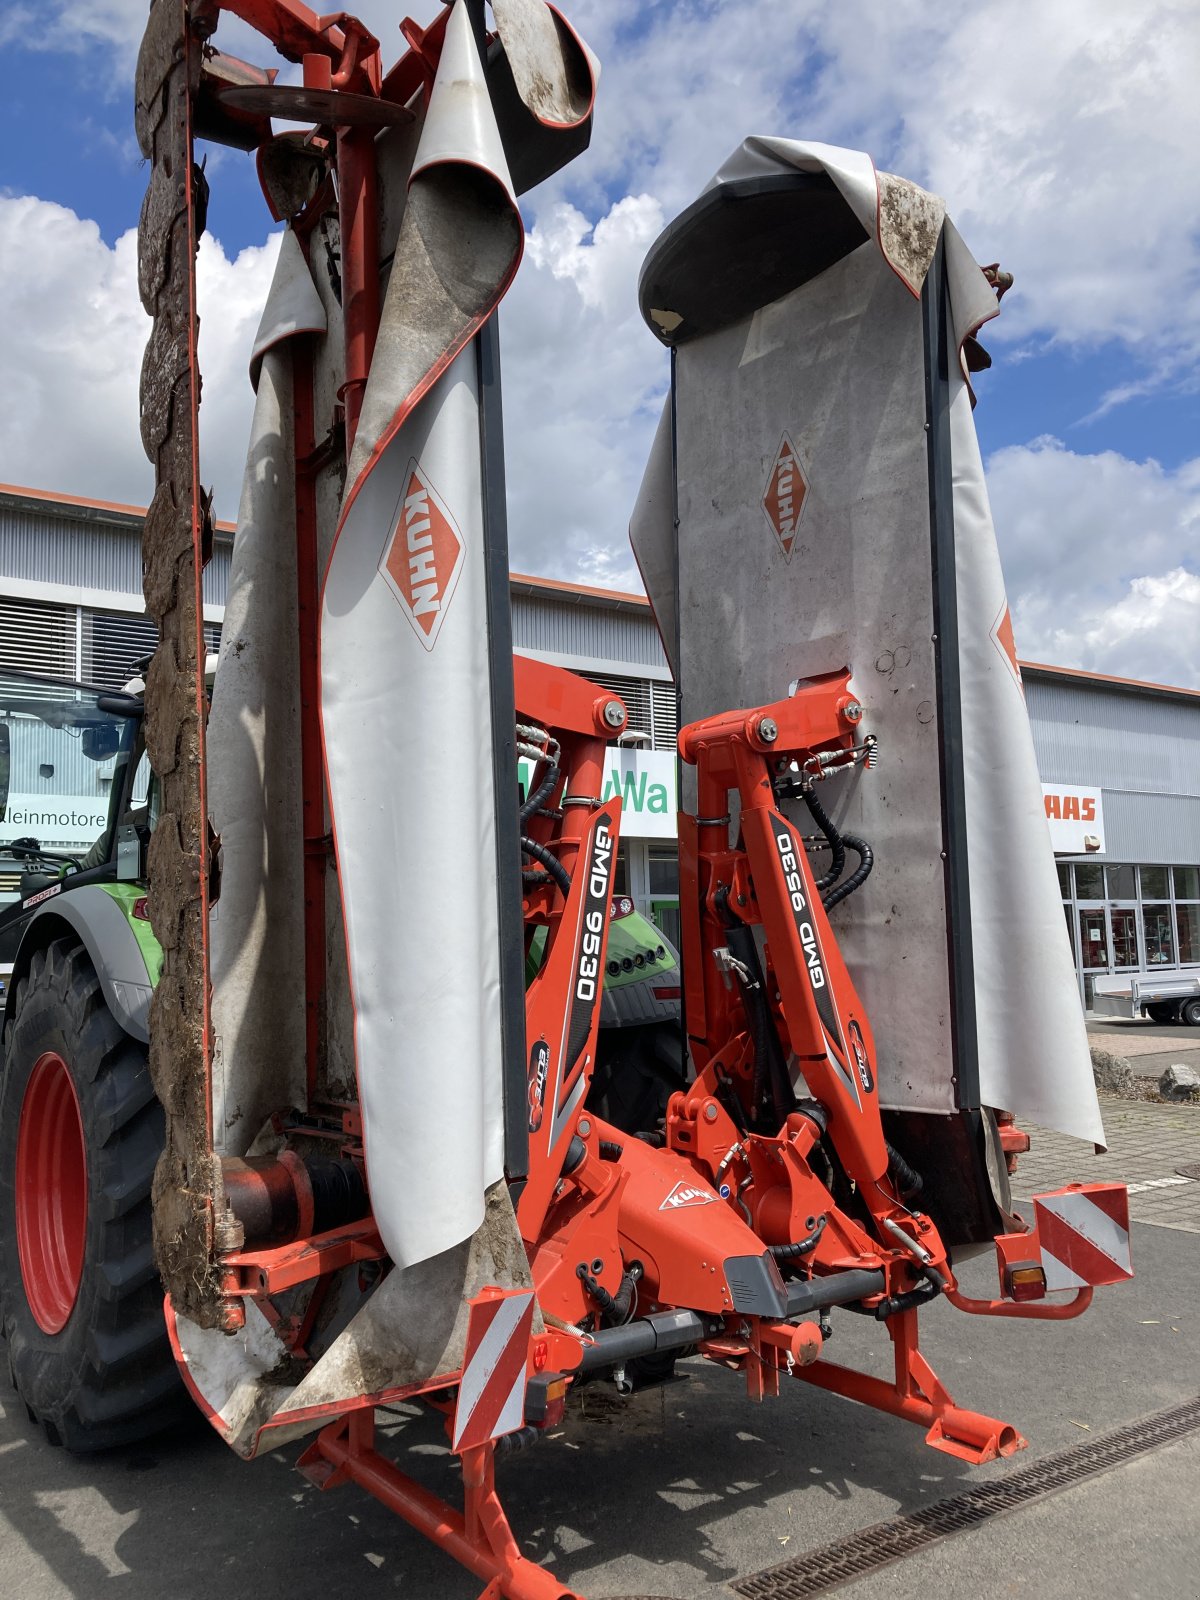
<point x="80" y="1127"/>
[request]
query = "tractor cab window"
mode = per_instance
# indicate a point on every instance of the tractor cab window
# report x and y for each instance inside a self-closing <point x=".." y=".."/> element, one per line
<point x="65" y="751"/>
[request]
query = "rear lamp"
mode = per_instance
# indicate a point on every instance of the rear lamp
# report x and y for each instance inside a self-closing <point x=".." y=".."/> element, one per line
<point x="621" y="906"/>
<point x="141" y="909"/>
<point x="639" y="960"/>
<point x="1025" y="1281"/>
<point x="666" y="992"/>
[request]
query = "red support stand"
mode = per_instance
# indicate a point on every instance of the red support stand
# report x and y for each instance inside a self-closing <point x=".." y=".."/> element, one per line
<point x="479" y="1538"/>
<point x="918" y="1395"/>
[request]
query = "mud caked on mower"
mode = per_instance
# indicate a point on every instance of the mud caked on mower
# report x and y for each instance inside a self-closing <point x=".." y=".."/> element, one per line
<point x="374" y="1149"/>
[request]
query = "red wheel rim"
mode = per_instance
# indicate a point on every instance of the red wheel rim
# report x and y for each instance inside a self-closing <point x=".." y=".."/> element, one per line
<point x="51" y="1193"/>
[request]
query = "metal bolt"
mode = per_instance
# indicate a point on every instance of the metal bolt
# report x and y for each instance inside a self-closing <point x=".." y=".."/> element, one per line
<point x="768" y="730"/>
<point x="710" y="1113"/>
<point x="852" y="711"/>
<point x="614" y="713"/>
<point x="585" y="1127"/>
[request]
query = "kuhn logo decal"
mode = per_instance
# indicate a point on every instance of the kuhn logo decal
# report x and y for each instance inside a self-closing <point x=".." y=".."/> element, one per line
<point x="785" y="495"/>
<point x="687" y="1194"/>
<point x="423" y="556"/>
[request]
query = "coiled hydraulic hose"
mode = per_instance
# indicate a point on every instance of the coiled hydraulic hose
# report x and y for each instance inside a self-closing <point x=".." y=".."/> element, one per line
<point x="552" y="864"/>
<point x="837" y="844"/>
<point x="866" y="860"/>
<point x="789" y="1252"/>
<point x="908" y="1180"/>
<point x="821" y="818"/>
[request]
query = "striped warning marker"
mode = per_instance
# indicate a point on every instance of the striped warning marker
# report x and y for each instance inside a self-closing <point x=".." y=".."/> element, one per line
<point x="491" y="1392"/>
<point x="1084" y="1236"/>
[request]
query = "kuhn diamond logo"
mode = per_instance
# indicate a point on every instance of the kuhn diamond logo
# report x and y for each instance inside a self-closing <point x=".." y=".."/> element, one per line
<point x="786" y="492"/>
<point x="423" y="557"/>
<point x="687" y="1194"/>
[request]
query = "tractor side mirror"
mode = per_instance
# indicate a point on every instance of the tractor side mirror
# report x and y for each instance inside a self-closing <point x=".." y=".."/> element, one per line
<point x="101" y="741"/>
<point x="4" y="731"/>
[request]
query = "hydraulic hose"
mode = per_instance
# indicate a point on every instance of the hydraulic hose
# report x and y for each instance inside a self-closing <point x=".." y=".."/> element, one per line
<point x="552" y="864"/>
<point x="789" y="1252"/>
<point x="866" y="860"/>
<point x="770" y="1068"/>
<point x="822" y="820"/>
<point x="540" y="795"/>
<point x="907" y="1180"/>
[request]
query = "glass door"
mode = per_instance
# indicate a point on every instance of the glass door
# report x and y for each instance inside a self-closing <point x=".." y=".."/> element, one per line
<point x="1094" y="947"/>
<point x="1123" y="923"/>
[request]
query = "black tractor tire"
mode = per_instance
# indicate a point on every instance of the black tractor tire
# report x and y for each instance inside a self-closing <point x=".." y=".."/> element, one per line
<point x="1189" y="1012"/>
<point x="1163" y="1011"/>
<point x="107" y="1376"/>
<point x="637" y="1070"/>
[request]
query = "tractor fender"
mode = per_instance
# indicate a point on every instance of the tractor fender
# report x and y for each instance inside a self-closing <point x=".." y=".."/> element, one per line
<point x="98" y="922"/>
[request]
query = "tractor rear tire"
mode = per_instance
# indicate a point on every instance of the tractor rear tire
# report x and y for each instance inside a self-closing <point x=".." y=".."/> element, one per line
<point x="80" y="1295"/>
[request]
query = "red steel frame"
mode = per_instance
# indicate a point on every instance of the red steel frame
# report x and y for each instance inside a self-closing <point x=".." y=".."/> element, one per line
<point x="602" y="1207"/>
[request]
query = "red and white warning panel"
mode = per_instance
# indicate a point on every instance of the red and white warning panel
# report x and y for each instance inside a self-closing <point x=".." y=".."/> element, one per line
<point x="491" y="1393"/>
<point x="1083" y="1233"/>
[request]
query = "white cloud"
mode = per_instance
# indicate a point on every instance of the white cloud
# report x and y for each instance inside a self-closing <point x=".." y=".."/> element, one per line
<point x="1096" y="554"/>
<point x="583" y="384"/>
<point x="1062" y="140"/>
<point x="71" y="356"/>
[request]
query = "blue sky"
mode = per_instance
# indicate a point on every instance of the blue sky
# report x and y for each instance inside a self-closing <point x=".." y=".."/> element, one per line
<point x="1063" y="147"/>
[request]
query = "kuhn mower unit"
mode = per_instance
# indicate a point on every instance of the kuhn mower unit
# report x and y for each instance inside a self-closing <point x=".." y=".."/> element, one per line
<point x="393" y="1159"/>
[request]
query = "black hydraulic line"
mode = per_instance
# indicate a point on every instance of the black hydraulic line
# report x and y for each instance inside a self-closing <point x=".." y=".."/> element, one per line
<point x="615" y="1306"/>
<point x="770" y="1068"/>
<point x="834" y="838"/>
<point x="801" y="1247"/>
<point x="866" y="860"/>
<point x="552" y="864"/>
<point x="906" y="1179"/>
<point x="540" y="795"/>
<point x="675" y="1330"/>
<point x="665" y="1330"/>
<point x="837" y="1289"/>
<point x="921" y="1295"/>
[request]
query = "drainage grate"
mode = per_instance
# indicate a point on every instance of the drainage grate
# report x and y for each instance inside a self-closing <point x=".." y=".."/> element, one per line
<point x="864" y="1552"/>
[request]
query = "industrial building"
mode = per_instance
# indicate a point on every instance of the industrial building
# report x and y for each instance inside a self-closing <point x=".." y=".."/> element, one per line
<point x="1119" y="760"/>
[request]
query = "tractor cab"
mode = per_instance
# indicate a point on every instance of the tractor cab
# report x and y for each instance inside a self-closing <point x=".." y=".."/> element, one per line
<point x="76" y="797"/>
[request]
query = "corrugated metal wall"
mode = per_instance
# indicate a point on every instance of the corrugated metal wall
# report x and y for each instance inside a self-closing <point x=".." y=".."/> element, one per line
<point x="1141" y="750"/>
<point x="565" y="627"/>
<point x="46" y="547"/>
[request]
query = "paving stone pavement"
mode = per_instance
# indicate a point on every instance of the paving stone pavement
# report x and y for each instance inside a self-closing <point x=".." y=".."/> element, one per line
<point x="1147" y="1053"/>
<point x="1146" y="1142"/>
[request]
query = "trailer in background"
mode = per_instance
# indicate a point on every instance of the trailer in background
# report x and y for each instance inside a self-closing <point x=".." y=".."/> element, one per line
<point x="1161" y="996"/>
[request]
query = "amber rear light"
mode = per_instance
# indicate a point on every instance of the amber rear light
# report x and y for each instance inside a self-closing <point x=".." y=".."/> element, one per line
<point x="1025" y="1282"/>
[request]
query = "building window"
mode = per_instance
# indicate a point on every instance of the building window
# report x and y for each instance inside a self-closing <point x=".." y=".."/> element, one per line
<point x="1189" y="932"/>
<point x="652" y="706"/>
<point x="1122" y="917"/>
<point x="1160" y="936"/>
<point x="1121" y="883"/>
<point x="1154" y="883"/>
<point x="1089" y="880"/>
